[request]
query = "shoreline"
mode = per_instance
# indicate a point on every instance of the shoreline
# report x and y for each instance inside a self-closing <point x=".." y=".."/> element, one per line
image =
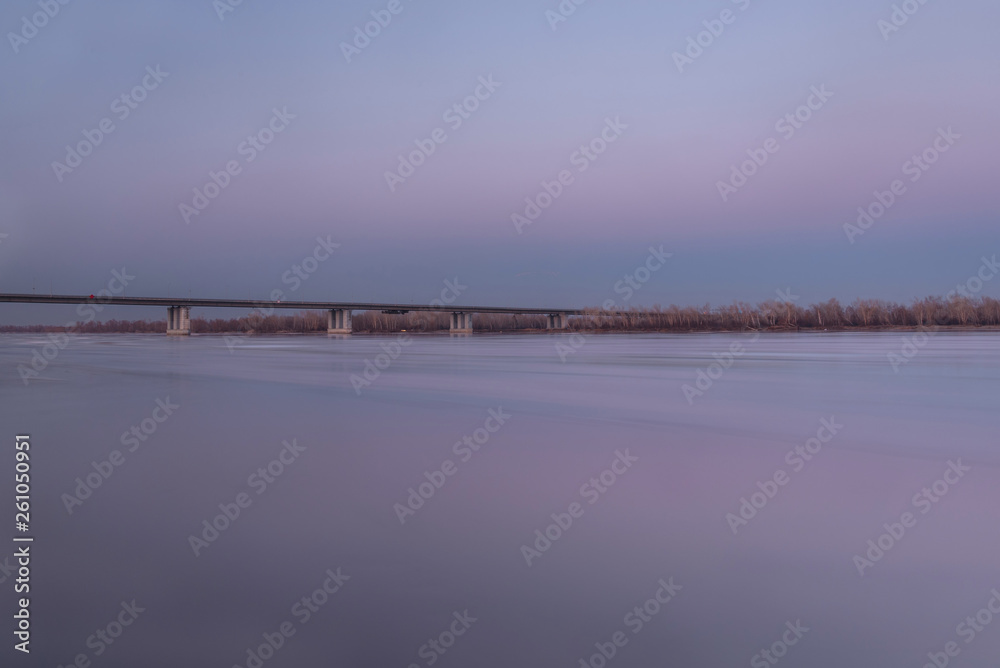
<point x="58" y="329"/>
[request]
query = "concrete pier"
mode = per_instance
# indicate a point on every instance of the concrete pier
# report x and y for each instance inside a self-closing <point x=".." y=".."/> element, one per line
<point x="556" y="321"/>
<point x="338" y="321"/>
<point x="179" y="320"/>
<point x="461" y="323"/>
<point x="338" y="313"/>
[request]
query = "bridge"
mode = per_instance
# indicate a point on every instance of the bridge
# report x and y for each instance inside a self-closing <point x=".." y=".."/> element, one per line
<point x="338" y="320"/>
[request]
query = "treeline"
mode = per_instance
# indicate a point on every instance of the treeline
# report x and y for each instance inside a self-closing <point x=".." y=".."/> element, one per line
<point x="373" y="321"/>
<point x="739" y="316"/>
<point x="106" y="327"/>
<point x="779" y="315"/>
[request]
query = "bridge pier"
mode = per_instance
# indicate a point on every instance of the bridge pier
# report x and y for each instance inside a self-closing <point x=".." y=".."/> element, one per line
<point x="178" y="320"/>
<point x="556" y="321"/>
<point x="338" y="321"/>
<point x="461" y="323"/>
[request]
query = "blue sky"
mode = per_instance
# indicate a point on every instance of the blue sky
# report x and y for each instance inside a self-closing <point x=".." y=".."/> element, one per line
<point x="346" y="124"/>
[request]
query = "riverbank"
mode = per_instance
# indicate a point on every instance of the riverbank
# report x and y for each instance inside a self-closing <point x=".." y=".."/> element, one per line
<point x="956" y="313"/>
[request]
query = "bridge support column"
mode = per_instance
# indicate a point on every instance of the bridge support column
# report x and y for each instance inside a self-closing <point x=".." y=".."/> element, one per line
<point x="179" y="320"/>
<point x="338" y="321"/>
<point x="461" y="323"/>
<point x="556" y="321"/>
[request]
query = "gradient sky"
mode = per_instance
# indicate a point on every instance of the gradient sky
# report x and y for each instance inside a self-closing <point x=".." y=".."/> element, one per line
<point x="324" y="175"/>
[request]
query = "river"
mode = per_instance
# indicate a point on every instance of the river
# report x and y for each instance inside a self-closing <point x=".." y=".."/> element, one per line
<point x="511" y="500"/>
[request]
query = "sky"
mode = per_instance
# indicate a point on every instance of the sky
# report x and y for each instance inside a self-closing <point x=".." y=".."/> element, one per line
<point x="626" y="124"/>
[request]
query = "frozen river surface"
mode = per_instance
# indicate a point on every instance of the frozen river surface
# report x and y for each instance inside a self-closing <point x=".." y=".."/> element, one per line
<point x="496" y="501"/>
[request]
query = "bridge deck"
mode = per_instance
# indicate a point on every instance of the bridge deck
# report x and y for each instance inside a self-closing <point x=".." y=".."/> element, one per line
<point x="263" y="304"/>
